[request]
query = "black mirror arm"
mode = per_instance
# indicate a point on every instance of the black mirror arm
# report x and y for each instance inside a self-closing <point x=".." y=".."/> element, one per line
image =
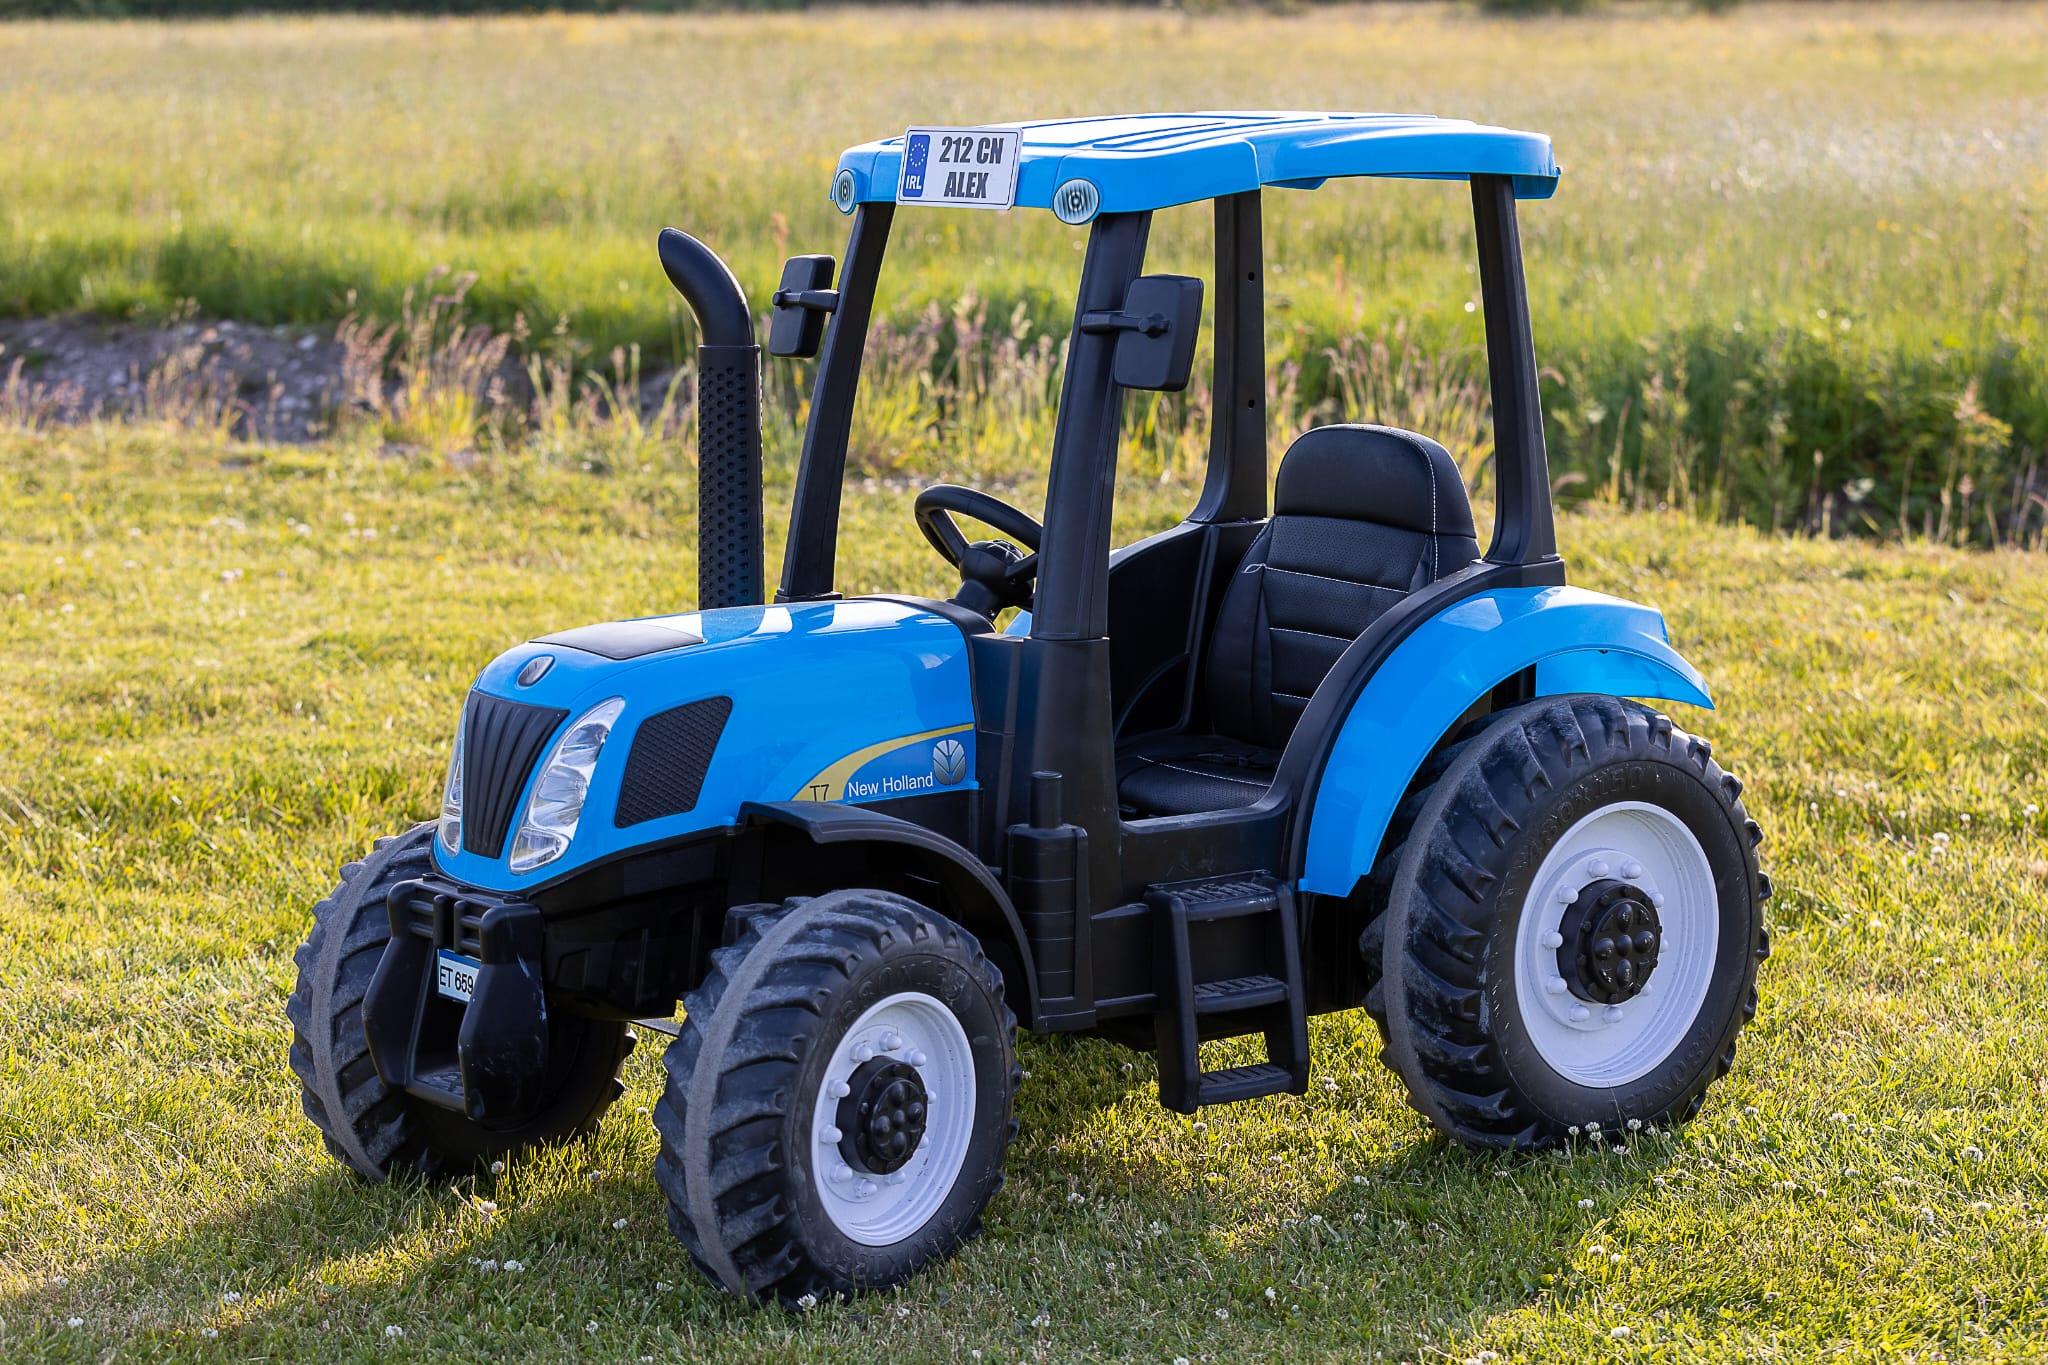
<point x="810" y="300"/>
<point x="1111" y="320"/>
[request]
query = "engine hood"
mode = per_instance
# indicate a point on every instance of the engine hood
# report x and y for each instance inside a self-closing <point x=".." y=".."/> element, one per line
<point x="860" y="700"/>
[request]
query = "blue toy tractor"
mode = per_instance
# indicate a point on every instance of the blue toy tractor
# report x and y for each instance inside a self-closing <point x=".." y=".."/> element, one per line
<point x="1273" y="762"/>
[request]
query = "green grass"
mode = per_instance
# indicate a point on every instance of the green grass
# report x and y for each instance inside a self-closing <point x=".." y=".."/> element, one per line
<point x="1796" y="247"/>
<point x="231" y="668"/>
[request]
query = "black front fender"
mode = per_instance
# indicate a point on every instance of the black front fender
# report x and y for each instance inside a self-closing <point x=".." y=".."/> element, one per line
<point x="974" y="898"/>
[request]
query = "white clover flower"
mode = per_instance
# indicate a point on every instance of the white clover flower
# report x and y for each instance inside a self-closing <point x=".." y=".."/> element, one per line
<point x="903" y="1311"/>
<point x="514" y="1267"/>
<point x="1272" y="1294"/>
<point x="1223" y="1315"/>
<point x="487" y="1207"/>
<point x="1585" y="1203"/>
<point x="593" y="1176"/>
<point x="1076" y="1197"/>
<point x="231" y="1298"/>
<point x="591" y="1327"/>
<point x="618" y="1225"/>
<point x="807" y="1302"/>
<point x="487" y="1267"/>
<point x="663" y="1286"/>
<point x="394" y="1332"/>
<point x="1974" y="1153"/>
<point x="1042" y="1319"/>
<point x="209" y="1332"/>
<point x="1180" y="1360"/>
<point x="1635" y="1125"/>
<point x="74" y="1322"/>
<point x="1200" y="1126"/>
<point x="1619" y="1333"/>
<point x="497" y="1168"/>
<point x="1620" y="1149"/>
<point x="58" y="1281"/>
<point x="1360" y="1180"/>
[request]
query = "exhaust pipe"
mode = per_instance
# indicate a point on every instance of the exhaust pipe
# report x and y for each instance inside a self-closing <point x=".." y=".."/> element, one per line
<point x="729" y="521"/>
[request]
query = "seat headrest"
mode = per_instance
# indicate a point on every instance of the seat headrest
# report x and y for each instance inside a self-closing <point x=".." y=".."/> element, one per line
<point x="1377" y="474"/>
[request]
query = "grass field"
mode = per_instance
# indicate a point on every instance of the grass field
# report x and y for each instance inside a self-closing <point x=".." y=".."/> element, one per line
<point x="1794" y="272"/>
<point x="233" y="667"/>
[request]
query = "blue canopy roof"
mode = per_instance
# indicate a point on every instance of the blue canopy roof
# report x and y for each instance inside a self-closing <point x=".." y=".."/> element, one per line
<point x="1152" y="161"/>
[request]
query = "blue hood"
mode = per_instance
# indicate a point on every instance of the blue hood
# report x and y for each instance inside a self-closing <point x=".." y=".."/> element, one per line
<point x="862" y="700"/>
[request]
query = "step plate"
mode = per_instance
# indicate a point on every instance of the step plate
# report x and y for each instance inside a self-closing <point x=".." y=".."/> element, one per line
<point x="1242" y="1083"/>
<point x="1239" y="993"/>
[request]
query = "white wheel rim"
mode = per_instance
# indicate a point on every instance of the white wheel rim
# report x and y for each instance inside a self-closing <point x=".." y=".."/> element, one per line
<point x="1650" y="848"/>
<point x="921" y="1032"/>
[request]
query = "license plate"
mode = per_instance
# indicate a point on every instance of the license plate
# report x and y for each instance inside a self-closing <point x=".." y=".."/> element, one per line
<point x="972" y="168"/>
<point x="455" y="975"/>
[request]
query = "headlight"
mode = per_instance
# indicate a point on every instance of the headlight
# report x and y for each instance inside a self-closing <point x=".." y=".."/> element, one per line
<point x="556" y="803"/>
<point x="451" y="795"/>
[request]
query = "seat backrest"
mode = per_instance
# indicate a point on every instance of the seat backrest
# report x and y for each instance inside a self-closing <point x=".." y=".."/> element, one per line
<point x="1362" y="516"/>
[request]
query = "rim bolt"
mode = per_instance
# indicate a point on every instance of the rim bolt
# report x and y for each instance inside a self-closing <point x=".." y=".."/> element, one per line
<point x="1597" y="868"/>
<point x="866" y="1189"/>
<point x="829" y="1135"/>
<point x="895" y="1178"/>
<point x="1580" y="1014"/>
<point x="1553" y="939"/>
<point x="1612" y="1014"/>
<point x="1631" y="869"/>
<point x="863" y="1052"/>
<point x="1567" y="894"/>
<point x="1555" y="985"/>
<point x="891" y="1041"/>
<point x="916" y="1058"/>
<point x="1656" y="898"/>
<point x="842" y="1172"/>
<point x="840" y="1090"/>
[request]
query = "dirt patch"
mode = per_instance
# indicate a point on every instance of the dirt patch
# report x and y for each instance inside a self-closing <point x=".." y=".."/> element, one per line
<point x="268" y="383"/>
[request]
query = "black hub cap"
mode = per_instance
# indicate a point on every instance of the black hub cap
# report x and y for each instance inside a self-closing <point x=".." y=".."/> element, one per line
<point x="882" y="1118"/>
<point x="1611" y="939"/>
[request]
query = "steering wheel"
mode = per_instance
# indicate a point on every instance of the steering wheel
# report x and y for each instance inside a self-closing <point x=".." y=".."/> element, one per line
<point x="993" y="573"/>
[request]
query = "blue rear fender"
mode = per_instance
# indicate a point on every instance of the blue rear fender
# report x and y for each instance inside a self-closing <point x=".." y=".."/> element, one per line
<point x="855" y="701"/>
<point x="1576" y="641"/>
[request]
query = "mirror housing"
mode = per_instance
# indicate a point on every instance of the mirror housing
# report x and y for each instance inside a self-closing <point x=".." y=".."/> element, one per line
<point x="1157" y="327"/>
<point x="802" y="301"/>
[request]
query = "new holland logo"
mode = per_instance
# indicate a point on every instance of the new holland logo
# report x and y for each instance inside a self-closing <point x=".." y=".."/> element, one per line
<point x="949" y="761"/>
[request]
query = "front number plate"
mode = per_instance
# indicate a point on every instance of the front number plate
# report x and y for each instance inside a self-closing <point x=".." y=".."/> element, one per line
<point x="455" y="975"/>
<point x="973" y="168"/>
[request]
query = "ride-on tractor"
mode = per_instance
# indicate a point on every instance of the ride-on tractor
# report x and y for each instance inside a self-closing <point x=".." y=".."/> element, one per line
<point x="1274" y="762"/>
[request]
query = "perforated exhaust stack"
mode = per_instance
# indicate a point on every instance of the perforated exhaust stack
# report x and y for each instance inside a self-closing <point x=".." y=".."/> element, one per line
<point x="729" y="525"/>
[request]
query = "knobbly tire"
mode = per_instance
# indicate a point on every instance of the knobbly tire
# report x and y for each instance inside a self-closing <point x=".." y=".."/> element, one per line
<point x="1530" y="846"/>
<point x="377" y="1131"/>
<point x="839" y="1010"/>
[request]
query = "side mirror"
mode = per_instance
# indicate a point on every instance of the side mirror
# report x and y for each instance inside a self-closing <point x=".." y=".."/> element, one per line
<point x="802" y="301"/>
<point x="1155" y="345"/>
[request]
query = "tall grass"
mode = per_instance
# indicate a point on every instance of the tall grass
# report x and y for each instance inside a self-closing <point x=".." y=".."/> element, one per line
<point x="1791" y="275"/>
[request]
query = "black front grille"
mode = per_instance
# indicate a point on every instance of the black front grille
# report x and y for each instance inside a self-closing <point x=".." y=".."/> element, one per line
<point x="671" y="753"/>
<point x="444" y="914"/>
<point x="501" y="739"/>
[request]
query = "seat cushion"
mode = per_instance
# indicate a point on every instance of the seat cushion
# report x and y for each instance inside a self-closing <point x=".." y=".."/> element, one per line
<point x="1182" y="774"/>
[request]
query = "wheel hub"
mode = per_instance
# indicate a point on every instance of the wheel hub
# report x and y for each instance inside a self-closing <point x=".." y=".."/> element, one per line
<point x="882" y="1117"/>
<point x="1612" y="936"/>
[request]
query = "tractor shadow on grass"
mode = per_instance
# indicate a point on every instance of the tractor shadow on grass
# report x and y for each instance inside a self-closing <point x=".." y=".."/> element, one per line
<point x="1345" y="1189"/>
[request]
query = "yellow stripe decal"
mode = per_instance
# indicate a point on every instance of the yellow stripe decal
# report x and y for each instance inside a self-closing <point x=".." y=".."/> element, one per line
<point x="830" y="785"/>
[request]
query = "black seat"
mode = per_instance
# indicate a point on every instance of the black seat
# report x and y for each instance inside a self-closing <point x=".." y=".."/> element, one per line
<point x="1362" y="516"/>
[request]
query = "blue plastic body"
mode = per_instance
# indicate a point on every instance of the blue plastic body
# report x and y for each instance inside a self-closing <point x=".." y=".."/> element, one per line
<point x="831" y="701"/>
<point x="1153" y="161"/>
<point x="1577" y="641"/>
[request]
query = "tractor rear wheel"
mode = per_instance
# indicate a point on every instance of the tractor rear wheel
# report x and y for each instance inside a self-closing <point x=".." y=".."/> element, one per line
<point x="375" y="1130"/>
<point x="837" y="1107"/>
<point x="1572" y="924"/>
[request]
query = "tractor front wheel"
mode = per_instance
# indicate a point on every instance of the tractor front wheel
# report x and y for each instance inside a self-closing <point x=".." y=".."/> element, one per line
<point x="1572" y="926"/>
<point x="838" y="1102"/>
<point x="379" y="1131"/>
